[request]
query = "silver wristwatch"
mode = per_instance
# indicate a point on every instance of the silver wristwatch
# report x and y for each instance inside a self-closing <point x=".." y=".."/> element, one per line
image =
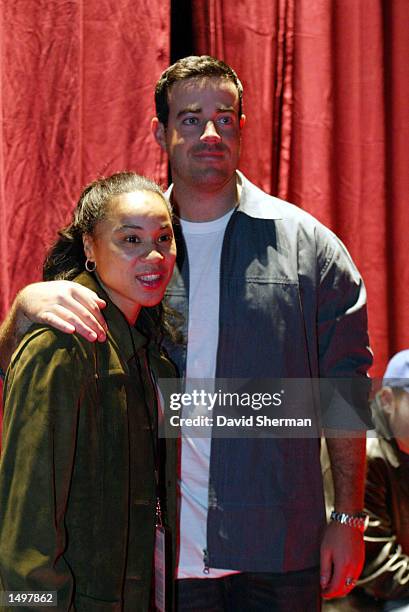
<point x="357" y="521"/>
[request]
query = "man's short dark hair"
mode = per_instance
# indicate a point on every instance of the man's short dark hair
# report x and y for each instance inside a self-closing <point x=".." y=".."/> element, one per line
<point x="189" y="68"/>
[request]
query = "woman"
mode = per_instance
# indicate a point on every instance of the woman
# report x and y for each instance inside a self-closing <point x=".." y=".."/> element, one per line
<point x="82" y="467"/>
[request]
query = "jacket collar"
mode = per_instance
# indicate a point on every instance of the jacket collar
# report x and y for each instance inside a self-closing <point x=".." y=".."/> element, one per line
<point x="252" y="200"/>
<point x="390" y="451"/>
<point x="120" y="333"/>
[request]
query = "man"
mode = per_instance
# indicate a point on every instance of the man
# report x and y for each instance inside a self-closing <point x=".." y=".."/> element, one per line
<point x="267" y="292"/>
<point x="386" y="571"/>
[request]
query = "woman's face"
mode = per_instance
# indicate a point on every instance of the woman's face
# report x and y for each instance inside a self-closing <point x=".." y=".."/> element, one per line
<point x="134" y="250"/>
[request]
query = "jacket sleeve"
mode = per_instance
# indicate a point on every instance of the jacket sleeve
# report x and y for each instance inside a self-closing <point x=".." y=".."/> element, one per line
<point x="343" y="343"/>
<point x="41" y="404"/>
<point x="386" y="571"/>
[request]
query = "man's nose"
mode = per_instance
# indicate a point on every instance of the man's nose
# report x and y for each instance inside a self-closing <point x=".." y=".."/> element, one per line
<point x="210" y="134"/>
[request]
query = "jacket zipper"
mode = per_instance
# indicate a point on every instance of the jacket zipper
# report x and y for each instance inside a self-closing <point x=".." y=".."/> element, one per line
<point x="206" y="569"/>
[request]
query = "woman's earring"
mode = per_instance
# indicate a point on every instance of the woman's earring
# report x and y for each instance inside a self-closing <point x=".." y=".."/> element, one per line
<point x="90" y="266"/>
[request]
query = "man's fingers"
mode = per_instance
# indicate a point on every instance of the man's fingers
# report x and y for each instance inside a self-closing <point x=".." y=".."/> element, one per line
<point x="335" y="587"/>
<point x="342" y="556"/>
<point x="324" y="581"/>
<point x="67" y="306"/>
<point x="81" y="322"/>
<point x="54" y="321"/>
<point x="87" y="306"/>
<point x="326" y="566"/>
<point x="340" y="584"/>
<point x="87" y="297"/>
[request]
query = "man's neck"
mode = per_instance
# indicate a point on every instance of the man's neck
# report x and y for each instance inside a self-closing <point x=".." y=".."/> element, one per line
<point x="200" y="203"/>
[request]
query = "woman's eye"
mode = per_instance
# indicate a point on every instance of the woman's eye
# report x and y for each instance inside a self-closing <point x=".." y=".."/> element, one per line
<point x="132" y="239"/>
<point x="226" y="120"/>
<point x="165" y="238"/>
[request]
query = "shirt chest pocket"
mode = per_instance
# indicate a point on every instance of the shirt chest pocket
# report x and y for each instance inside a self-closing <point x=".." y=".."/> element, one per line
<point x="262" y="327"/>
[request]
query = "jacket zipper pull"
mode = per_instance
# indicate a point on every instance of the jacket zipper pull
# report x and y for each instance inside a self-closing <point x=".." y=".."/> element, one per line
<point x="206" y="569"/>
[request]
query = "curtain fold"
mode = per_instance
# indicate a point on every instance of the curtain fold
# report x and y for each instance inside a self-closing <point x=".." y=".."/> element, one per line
<point x="396" y="88"/>
<point x="326" y="85"/>
<point x="256" y="39"/>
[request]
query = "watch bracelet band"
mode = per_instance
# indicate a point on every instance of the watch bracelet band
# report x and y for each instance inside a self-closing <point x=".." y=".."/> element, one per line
<point x="357" y="521"/>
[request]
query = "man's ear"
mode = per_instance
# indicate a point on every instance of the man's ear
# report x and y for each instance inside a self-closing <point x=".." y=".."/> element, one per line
<point x="387" y="400"/>
<point x="159" y="132"/>
<point x="242" y="121"/>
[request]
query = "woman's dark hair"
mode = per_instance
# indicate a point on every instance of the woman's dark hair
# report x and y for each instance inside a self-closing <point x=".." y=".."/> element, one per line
<point x="66" y="258"/>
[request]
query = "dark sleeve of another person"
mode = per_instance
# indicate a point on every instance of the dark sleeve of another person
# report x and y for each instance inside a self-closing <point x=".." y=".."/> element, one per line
<point x="386" y="571"/>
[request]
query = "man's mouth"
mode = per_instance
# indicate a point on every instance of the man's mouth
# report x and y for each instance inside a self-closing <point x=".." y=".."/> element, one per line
<point x="210" y="153"/>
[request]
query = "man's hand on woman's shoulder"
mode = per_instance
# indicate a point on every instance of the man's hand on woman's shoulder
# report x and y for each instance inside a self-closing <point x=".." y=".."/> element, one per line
<point x="65" y="305"/>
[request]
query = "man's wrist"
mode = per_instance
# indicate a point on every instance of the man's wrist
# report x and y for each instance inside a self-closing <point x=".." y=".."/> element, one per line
<point x="356" y="520"/>
<point x="12" y="330"/>
<point x="22" y="320"/>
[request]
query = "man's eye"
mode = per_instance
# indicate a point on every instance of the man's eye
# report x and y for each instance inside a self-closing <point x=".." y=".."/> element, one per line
<point x="190" y="121"/>
<point x="226" y="120"/>
<point x="132" y="239"/>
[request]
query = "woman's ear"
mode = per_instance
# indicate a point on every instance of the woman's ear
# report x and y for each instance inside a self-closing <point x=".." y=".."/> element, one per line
<point x="88" y="246"/>
<point x="387" y="400"/>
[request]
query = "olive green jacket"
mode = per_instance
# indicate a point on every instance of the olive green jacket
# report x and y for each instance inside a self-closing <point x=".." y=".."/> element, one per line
<point x="77" y="485"/>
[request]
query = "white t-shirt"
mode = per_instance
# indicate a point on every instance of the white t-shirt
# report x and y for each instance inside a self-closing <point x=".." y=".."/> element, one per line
<point x="204" y="244"/>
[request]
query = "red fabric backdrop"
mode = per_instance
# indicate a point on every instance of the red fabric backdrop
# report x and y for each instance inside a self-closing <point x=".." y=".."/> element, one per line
<point x="76" y="99"/>
<point x="326" y="90"/>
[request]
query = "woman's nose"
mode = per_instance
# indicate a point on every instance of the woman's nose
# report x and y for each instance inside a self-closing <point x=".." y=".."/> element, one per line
<point x="152" y="254"/>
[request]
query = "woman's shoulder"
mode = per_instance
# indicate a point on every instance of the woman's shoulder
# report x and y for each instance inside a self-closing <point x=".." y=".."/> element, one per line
<point x="45" y="342"/>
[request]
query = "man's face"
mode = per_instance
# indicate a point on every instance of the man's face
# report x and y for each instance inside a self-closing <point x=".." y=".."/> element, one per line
<point x="202" y="137"/>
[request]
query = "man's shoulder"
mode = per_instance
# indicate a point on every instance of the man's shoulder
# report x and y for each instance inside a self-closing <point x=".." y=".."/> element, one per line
<point x="291" y="220"/>
<point x="257" y="203"/>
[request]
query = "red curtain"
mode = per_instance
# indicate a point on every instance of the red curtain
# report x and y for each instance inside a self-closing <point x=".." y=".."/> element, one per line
<point x="326" y="89"/>
<point x="76" y="99"/>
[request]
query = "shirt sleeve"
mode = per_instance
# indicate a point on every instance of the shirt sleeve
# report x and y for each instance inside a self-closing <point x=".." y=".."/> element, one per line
<point x="41" y="405"/>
